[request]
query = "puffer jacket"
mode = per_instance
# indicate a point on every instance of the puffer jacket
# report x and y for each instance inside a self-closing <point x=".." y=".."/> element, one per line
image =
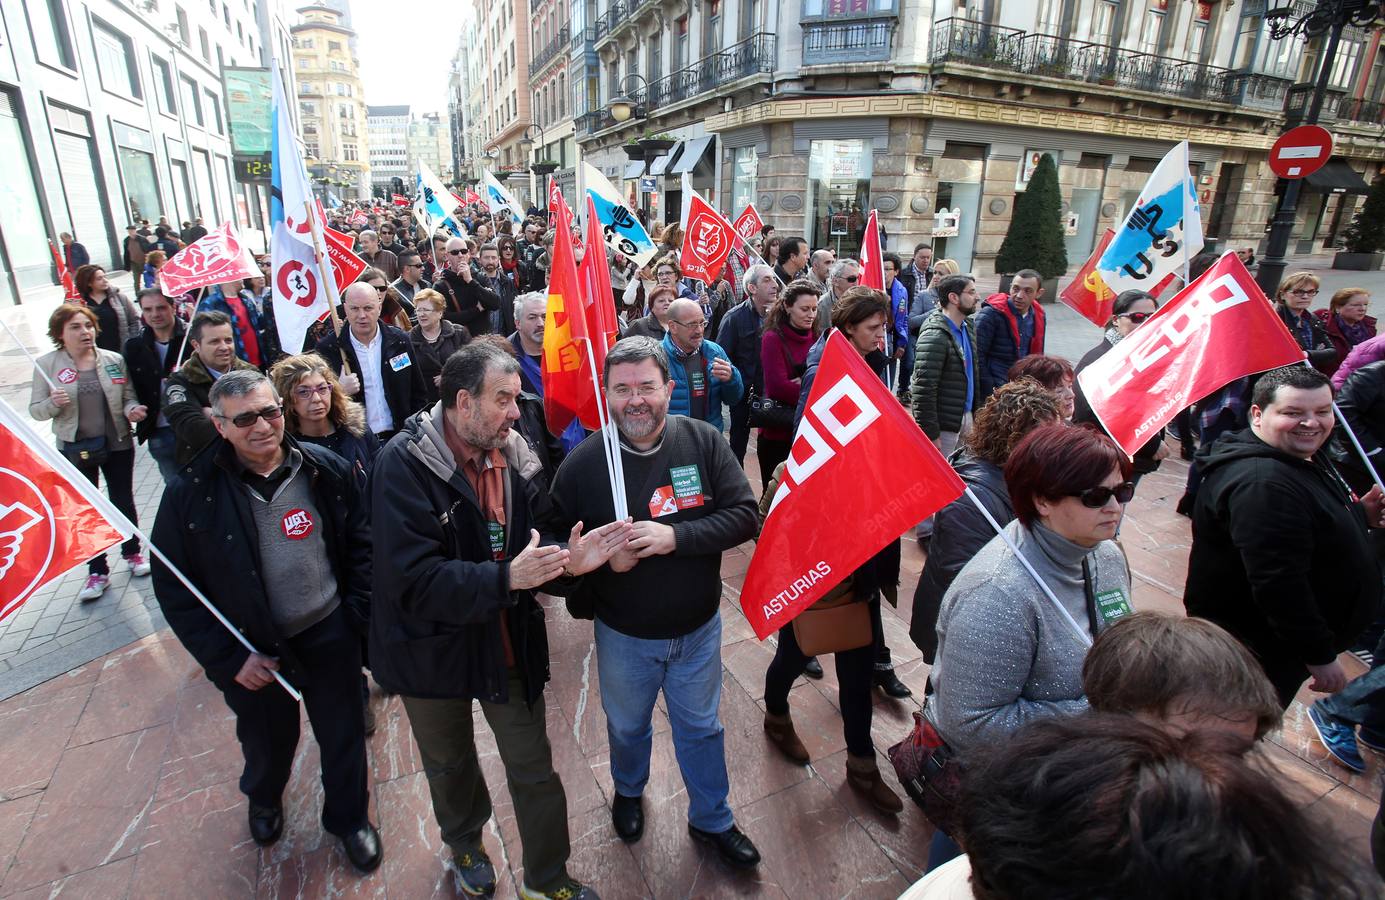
<point x="1363" y="354"/>
<point x="718" y="392"/>
<point x="939" y="386"/>
<point x="1362" y="402"/>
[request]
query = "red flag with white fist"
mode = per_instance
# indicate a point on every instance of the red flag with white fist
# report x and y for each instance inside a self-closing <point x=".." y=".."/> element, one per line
<point x="1217" y="329"/>
<point x="707" y="241"/>
<point x="851" y="421"/>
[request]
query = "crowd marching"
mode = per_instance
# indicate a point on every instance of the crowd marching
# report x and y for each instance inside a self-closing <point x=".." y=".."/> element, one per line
<point x="390" y="495"/>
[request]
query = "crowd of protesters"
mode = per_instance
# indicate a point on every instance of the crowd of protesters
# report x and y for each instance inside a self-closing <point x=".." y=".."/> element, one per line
<point x="388" y="496"/>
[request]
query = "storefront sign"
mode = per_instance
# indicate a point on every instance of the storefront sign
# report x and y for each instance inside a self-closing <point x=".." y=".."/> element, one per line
<point x="248" y="110"/>
<point x="947" y="222"/>
<point x="648" y="184"/>
<point x="1029" y="164"/>
<point x="1070" y="225"/>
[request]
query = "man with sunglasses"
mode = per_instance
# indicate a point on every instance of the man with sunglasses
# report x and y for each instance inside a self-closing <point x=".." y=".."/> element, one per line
<point x="469" y="302"/>
<point x="410" y="280"/>
<point x="275" y="534"/>
<point x="842" y="277"/>
<point x="702" y="373"/>
<point x="389" y="241"/>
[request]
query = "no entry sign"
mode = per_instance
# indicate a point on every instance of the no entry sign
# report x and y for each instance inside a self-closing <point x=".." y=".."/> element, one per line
<point x="1301" y="151"/>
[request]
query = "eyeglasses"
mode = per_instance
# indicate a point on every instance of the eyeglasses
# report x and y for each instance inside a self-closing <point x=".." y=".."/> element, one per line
<point x="413" y="265"/>
<point x="850" y="278"/>
<point x="1097" y="497"/>
<point x="308" y="393"/>
<point x="1135" y="318"/>
<point x="247" y="419"/>
<point x="692" y="326"/>
<point x="623" y="392"/>
<point x="1304" y="292"/>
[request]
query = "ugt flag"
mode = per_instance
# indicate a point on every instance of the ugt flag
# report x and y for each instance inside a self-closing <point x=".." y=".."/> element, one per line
<point x="64" y="275"/>
<point x="1217" y="329"/>
<point x="748" y="223"/>
<point x="498" y="199"/>
<point x="433" y="203"/>
<point x="872" y="256"/>
<point x="622" y="231"/>
<point x="569" y="390"/>
<point x="346" y="265"/>
<point x="51" y="518"/>
<point x="707" y="238"/>
<point x="850" y="422"/>
<point x="1160" y="233"/>
<point x="215" y="258"/>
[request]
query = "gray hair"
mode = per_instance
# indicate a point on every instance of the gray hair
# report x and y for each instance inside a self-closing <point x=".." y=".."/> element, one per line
<point x="238" y="384"/>
<point x="817" y="254"/>
<point x="840" y="267"/>
<point x="368" y="234"/>
<point x="467" y="368"/>
<point x="754" y="274"/>
<point x="527" y="298"/>
<point x="635" y="350"/>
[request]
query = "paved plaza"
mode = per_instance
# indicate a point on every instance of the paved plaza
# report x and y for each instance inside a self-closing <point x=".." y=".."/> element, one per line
<point x="121" y="760"/>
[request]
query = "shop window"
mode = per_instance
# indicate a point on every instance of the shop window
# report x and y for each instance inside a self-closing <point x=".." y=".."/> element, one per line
<point x="744" y="177"/>
<point x="141" y="184"/>
<point x="839" y="174"/>
<point x="961" y="170"/>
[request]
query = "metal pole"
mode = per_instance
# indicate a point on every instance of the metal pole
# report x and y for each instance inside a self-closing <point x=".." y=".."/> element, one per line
<point x="1272" y="266"/>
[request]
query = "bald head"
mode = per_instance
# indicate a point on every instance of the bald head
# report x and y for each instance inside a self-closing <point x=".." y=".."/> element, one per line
<point x="686" y="324"/>
<point x="362" y="303"/>
<point x="458" y="254"/>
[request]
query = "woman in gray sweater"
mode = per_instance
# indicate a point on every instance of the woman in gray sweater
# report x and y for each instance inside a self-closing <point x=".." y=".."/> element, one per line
<point x="1008" y="652"/>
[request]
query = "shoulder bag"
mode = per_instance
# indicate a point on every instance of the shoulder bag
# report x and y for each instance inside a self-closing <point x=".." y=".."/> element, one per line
<point x="768" y="413"/>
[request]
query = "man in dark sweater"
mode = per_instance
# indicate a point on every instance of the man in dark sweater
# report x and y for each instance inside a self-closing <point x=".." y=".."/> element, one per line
<point x="658" y="626"/>
<point x="469" y="302"/>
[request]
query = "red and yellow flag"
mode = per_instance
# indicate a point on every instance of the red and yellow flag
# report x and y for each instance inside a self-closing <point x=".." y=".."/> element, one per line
<point x="569" y="386"/>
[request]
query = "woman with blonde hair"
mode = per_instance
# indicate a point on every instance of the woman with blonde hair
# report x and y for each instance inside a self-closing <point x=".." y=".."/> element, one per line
<point x="317" y="410"/>
<point x="1295" y="295"/>
<point x="434" y="339"/>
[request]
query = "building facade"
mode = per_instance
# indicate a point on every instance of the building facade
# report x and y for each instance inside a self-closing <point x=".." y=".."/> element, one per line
<point x="550" y="98"/>
<point x="388" y="131"/>
<point x="430" y="144"/>
<point x="112" y="112"/>
<point x="331" y="102"/>
<point x="934" y="113"/>
<point x="505" y="103"/>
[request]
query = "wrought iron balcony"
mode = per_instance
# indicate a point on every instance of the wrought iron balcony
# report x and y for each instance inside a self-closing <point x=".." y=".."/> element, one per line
<point x="559" y="44"/>
<point x="618" y="12"/>
<point x="1361" y="112"/>
<point x="595" y="120"/>
<point x="849" y="40"/>
<point x="751" y="56"/>
<point x="1052" y="56"/>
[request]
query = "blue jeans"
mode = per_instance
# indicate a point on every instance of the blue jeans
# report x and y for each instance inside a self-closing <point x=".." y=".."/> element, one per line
<point x="161" y="446"/>
<point x="1362" y="701"/>
<point x="688" y="670"/>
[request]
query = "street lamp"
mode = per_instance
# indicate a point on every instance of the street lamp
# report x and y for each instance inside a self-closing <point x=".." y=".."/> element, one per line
<point x="527" y="143"/>
<point x="1329" y="17"/>
<point x="622" y="107"/>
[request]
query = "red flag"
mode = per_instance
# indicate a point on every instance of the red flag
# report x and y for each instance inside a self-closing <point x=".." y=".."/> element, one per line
<point x="748" y="223"/>
<point x="568" y="389"/>
<point x="872" y="262"/>
<point x="1088" y="295"/>
<point x="346" y="265"/>
<point x="596" y="279"/>
<point x="215" y="258"/>
<point x="400" y="200"/>
<point x="1214" y="331"/>
<point x="48" y="524"/>
<point x="850" y="422"/>
<point x="358" y="218"/>
<point x="64" y="275"/>
<point x="472" y="196"/>
<point x="707" y="241"/>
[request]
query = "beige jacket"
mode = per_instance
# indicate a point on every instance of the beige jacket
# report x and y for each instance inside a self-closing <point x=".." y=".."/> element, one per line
<point x="115" y="381"/>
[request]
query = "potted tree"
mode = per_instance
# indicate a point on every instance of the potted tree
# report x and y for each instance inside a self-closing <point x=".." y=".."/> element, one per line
<point x="1364" y="238"/>
<point x="633" y="150"/>
<point x="1034" y="239"/>
<point x="544" y="168"/>
<point x="657" y="144"/>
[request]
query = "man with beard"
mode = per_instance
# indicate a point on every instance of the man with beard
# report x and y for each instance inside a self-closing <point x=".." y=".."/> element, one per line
<point x="457" y="498"/>
<point x="657" y="621"/>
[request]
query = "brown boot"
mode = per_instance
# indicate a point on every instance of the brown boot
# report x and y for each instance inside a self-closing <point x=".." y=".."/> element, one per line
<point x="780" y="731"/>
<point x="864" y="777"/>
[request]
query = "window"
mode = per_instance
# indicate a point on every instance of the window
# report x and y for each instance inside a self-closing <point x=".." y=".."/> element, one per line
<point x="711" y="27"/>
<point x="562" y="94"/>
<point x="656" y="56"/>
<point x="206" y="44"/>
<point x="348" y="152"/>
<point x="183" y="33"/>
<point x="1150" y="27"/>
<point x="680" y="43"/>
<point x="308" y="109"/>
<point x="52" y="41"/>
<point x="192" y="100"/>
<point x="226" y="14"/>
<point x="744" y="172"/>
<point x="115" y="59"/>
<point x="214" y="111"/>
<point x="334" y="46"/>
<point x="163" y="86"/>
<point x="1049" y="19"/>
<point x="750" y="17"/>
<point x="310" y="150"/>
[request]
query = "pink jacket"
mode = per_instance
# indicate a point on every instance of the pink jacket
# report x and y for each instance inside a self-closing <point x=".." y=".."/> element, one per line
<point x="1363" y="354"/>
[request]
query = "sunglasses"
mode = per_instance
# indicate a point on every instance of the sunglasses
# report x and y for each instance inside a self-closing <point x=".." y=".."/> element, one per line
<point x="380" y="287"/>
<point x="1135" y="318"/>
<point x="1097" y="497"/>
<point x="246" y="419"/>
<point x="458" y="252"/>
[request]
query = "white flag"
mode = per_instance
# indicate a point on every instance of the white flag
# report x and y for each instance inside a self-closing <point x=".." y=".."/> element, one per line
<point x="1160" y="234"/>
<point x="497" y="198"/>
<point x="622" y="230"/>
<point x="433" y="203"/>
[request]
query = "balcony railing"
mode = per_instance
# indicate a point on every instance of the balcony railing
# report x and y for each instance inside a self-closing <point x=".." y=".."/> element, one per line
<point x="992" y="47"/>
<point x="617" y="13"/>
<point x="558" y="45"/>
<point x="1361" y="112"/>
<point x="595" y="120"/>
<point x="847" y="41"/>
<point x="753" y="55"/>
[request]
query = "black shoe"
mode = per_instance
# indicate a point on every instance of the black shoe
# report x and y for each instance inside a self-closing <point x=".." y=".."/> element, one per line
<point x="266" y="823"/>
<point x="627" y="815"/>
<point x="812" y="668"/>
<point x="363" y="848"/>
<point x="733" y="847"/>
<point x="888" y="682"/>
<point x="1187" y="452"/>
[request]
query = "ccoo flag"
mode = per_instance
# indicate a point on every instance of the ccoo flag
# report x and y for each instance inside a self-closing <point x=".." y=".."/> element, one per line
<point x="622" y="230"/>
<point x="1217" y="329"/>
<point x="850" y="422"/>
<point x="1160" y="234"/>
<point x="498" y="199"/>
<point x="872" y="256"/>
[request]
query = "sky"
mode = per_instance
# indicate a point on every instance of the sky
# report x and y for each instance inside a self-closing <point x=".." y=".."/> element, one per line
<point x="406" y="49"/>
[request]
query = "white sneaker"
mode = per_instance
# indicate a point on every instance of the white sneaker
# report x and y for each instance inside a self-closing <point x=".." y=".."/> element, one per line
<point x="96" y="586"/>
<point x="138" y="564"/>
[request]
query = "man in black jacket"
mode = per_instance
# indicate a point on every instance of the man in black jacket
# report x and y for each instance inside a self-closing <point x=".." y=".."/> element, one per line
<point x="502" y="285"/>
<point x="152" y="356"/>
<point x="469" y="302"/>
<point x="383" y="376"/>
<point x="275" y="535"/>
<point x="740" y="338"/>
<point x="656" y="605"/>
<point x="1281" y="554"/>
<point x="186" y="402"/>
<point x="456" y="499"/>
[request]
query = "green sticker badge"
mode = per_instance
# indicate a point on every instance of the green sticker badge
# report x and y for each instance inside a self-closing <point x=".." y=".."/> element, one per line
<point x="1112" y="605"/>
<point x="687" y="486"/>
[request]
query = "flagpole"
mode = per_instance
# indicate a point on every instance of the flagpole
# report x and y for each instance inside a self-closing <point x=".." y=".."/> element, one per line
<point x="329" y="280"/>
<point x="1188" y="169"/>
<point x="1355" y="442"/>
<point x="1048" y="592"/>
<point x="187" y="332"/>
<point x="33" y="359"/>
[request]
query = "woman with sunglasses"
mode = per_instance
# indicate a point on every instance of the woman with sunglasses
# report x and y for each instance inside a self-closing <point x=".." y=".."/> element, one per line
<point x="1131" y="310"/>
<point x="1292" y="300"/>
<point x="1009" y="651"/>
<point x="317" y="410"/>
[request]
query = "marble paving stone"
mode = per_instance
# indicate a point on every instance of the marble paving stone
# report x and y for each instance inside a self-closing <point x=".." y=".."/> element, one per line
<point x="137" y="689"/>
<point x="324" y="872"/>
<point x="94" y="810"/>
<point x="15" y="816"/>
<point x="393" y="751"/>
<point x="416" y="863"/>
<point x="584" y="793"/>
<point x="34" y="730"/>
<point x="816" y="721"/>
<point x="206" y="824"/>
<point x="113" y="881"/>
<point x="1301" y="780"/>
<point x="203" y="749"/>
<point x="756" y="770"/>
<point x="903" y="838"/>
<point x="747" y="661"/>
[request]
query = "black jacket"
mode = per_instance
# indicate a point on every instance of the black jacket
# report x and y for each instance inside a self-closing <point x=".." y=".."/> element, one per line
<point x="207" y="529"/>
<point x="185" y="395"/>
<point x="404" y="389"/>
<point x="469" y="303"/>
<point x="1322" y="355"/>
<point x="739" y="336"/>
<point x="430" y="357"/>
<point x="440" y="599"/>
<point x="147" y="373"/>
<point x="1281" y="554"/>
<point x="939" y="384"/>
<point x="507" y="290"/>
<point x="1082" y="412"/>
<point x="1362" y="402"/>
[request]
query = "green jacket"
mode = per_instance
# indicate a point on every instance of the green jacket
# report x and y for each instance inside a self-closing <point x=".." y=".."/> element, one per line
<point x="939" y="387"/>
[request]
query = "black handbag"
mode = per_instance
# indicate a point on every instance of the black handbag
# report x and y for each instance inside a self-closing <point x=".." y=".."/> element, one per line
<point x="87" y="452"/>
<point x="767" y="413"/>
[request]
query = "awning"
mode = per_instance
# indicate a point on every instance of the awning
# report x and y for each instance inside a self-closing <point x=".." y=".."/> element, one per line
<point x="1338" y="178"/>
<point x="660" y="165"/>
<point x="693" y="151"/>
<point x="634" y="169"/>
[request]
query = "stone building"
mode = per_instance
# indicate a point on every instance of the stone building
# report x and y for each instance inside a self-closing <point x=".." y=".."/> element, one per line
<point x="331" y="102"/>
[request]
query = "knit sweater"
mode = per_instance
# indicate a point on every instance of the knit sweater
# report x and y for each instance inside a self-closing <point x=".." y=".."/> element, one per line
<point x="783" y="360"/>
<point x="1006" y="656"/>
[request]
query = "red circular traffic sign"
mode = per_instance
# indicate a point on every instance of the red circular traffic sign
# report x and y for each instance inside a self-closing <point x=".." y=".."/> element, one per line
<point x="1301" y="151"/>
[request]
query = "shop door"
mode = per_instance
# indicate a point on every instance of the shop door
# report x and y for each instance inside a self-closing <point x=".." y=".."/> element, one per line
<point x="1223" y="213"/>
<point x="839" y="174"/>
<point x="1089" y="182"/>
<point x="86" y="206"/>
